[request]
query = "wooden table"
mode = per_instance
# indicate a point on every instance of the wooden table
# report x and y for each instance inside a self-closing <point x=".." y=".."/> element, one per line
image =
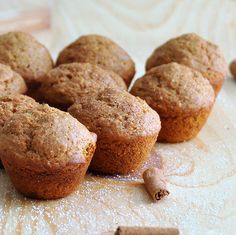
<point x="201" y="172"/>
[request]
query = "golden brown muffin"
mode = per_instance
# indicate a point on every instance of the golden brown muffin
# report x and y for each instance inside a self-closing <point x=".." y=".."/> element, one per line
<point x="181" y="96"/>
<point x="11" y="82"/>
<point x="126" y="126"/>
<point x="232" y="68"/>
<point x="102" y="51"/>
<point x="26" y="56"/>
<point x="12" y="104"/>
<point x="195" y="52"/>
<point x="46" y="152"/>
<point x="66" y="83"/>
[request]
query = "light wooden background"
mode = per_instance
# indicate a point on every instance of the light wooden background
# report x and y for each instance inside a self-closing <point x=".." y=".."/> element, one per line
<point x="201" y="173"/>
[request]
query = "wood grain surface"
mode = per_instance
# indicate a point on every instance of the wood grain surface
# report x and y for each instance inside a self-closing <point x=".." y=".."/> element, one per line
<point x="201" y="173"/>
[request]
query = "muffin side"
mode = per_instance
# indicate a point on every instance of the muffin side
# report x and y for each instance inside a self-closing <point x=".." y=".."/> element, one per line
<point x="46" y="184"/>
<point x="182" y="128"/>
<point x="121" y="156"/>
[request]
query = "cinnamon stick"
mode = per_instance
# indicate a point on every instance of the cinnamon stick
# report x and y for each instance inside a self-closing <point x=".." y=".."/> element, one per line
<point x="146" y="231"/>
<point x="155" y="183"/>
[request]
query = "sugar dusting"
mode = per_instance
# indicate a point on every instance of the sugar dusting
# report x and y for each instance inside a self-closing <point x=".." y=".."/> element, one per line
<point x="200" y="176"/>
<point x="102" y="203"/>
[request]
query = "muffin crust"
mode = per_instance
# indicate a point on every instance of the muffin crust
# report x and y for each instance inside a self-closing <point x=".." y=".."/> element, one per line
<point x="195" y="52"/>
<point x="12" y="104"/>
<point x="102" y="51"/>
<point x="66" y="83"/>
<point x="11" y="82"/>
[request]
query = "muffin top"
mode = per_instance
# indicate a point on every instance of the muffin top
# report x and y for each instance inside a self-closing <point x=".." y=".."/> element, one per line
<point x="193" y="51"/>
<point x="116" y="114"/>
<point x="12" y="104"/>
<point x="102" y="51"/>
<point x="45" y="138"/>
<point x="66" y="83"/>
<point x="173" y="89"/>
<point x="11" y="82"/>
<point x="25" y="55"/>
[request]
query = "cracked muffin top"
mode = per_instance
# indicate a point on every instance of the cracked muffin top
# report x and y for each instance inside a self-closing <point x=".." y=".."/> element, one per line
<point x="45" y="138"/>
<point x="195" y="52"/>
<point x="173" y="89"/>
<point x="116" y="113"/>
<point x="102" y="51"/>
<point x="12" y="104"/>
<point x="25" y="55"/>
<point x="66" y="83"/>
<point x="11" y="82"/>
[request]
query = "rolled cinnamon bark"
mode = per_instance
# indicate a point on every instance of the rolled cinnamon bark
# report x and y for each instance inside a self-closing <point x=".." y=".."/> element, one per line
<point x="146" y="231"/>
<point x="155" y="183"/>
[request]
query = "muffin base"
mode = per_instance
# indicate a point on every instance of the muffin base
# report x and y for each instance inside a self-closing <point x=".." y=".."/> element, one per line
<point x="121" y="157"/>
<point x="47" y="184"/>
<point x="179" y="129"/>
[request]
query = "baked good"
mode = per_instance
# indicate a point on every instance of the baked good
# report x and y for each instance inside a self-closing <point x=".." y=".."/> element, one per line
<point x="11" y="82"/>
<point x="181" y="96"/>
<point x="232" y="68"/>
<point x="26" y="56"/>
<point x="45" y="152"/>
<point x="12" y="104"/>
<point x="195" y="52"/>
<point x="102" y="51"/>
<point x="127" y="129"/>
<point x="66" y="83"/>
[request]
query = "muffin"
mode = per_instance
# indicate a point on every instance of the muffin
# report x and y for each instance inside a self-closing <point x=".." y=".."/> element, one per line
<point x="195" y="52"/>
<point x="11" y="82"/>
<point x="181" y="96"/>
<point x="102" y="51"/>
<point x="26" y="56"/>
<point x="12" y="104"/>
<point x="127" y="129"/>
<point x="45" y="152"/>
<point x="232" y="68"/>
<point x="66" y="83"/>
